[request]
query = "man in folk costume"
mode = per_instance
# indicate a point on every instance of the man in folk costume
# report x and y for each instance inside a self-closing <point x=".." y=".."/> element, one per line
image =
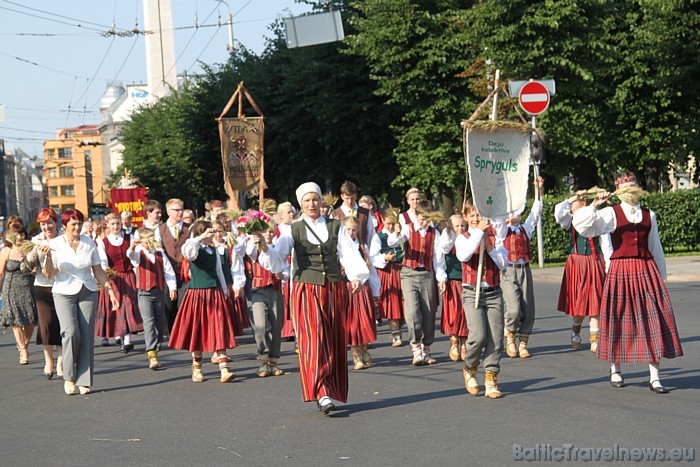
<point x="412" y="198"/>
<point x="485" y="321"/>
<point x="153" y="211"/>
<point x="365" y="229"/>
<point x="173" y="234"/>
<point x="422" y="265"/>
<point x="319" y="296"/>
<point x="637" y="323"/>
<point x="584" y="273"/>
<point x="516" y="279"/>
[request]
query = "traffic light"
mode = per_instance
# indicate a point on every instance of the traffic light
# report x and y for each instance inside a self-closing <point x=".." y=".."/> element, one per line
<point x="537" y="153"/>
<point x="98" y="210"/>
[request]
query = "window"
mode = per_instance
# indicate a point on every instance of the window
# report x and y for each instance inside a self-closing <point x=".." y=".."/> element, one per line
<point x="66" y="207"/>
<point x="53" y="173"/>
<point x="50" y="153"/>
<point x="67" y="190"/>
<point x="66" y="171"/>
<point x="53" y="191"/>
<point x="65" y="153"/>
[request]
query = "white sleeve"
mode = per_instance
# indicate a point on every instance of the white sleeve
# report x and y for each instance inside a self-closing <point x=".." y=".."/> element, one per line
<point x="499" y="255"/>
<point x="238" y="272"/>
<point x="134" y="256"/>
<point x="376" y="256"/>
<point x="374" y="283"/>
<point x="170" y="278"/>
<point x="190" y="250"/>
<point x="466" y="247"/>
<point x="562" y="214"/>
<point x="272" y="260"/>
<point x="655" y="246"/>
<point x="439" y="261"/>
<point x="350" y="258"/>
<point x="103" y="253"/>
<point x="590" y="222"/>
<point x="447" y="240"/>
<point x="531" y="223"/>
<point x="607" y="249"/>
<point x="395" y="240"/>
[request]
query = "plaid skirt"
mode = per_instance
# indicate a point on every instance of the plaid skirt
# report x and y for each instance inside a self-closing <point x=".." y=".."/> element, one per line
<point x="636" y="317"/>
<point x="360" y="324"/>
<point x="319" y="316"/>
<point x="390" y="296"/>
<point x="287" y="324"/>
<point x="127" y="319"/>
<point x="582" y="285"/>
<point x="454" y="321"/>
<point x="203" y="323"/>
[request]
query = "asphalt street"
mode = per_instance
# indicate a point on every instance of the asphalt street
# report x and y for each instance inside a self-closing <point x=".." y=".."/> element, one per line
<point x="397" y="414"/>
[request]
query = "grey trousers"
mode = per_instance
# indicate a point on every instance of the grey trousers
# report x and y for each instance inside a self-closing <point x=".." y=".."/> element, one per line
<point x="420" y="304"/>
<point x="153" y="315"/>
<point x="268" y="304"/>
<point x="485" y="325"/>
<point x="76" y="315"/>
<point x="519" y="297"/>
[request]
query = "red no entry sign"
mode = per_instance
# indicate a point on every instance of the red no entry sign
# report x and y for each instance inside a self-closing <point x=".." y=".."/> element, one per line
<point x="534" y="98"/>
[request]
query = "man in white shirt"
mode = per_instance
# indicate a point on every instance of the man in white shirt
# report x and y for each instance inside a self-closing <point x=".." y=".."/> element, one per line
<point x="172" y="235"/>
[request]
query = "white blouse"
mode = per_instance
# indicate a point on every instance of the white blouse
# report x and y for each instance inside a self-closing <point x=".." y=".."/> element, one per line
<point x="74" y="266"/>
<point x="40" y="280"/>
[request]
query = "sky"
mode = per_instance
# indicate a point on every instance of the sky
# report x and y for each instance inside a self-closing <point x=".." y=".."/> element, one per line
<point x="55" y="64"/>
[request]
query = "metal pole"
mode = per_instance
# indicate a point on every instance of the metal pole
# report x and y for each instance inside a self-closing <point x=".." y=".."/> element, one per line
<point x="540" y="246"/>
<point x="230" y="32"/>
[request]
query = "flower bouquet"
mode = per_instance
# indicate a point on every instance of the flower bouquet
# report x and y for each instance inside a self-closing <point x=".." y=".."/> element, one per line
<point x="255" y="221"/>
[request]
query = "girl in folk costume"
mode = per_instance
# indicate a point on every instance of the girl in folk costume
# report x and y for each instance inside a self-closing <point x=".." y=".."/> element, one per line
<point x="485" y="321"/>
<point x="387" y="262"/>
<point x="422" y="264"/>
<point x="637" y="324"/>
<point x="234" y="274"/>
<point x="360" y="324"/>
<point x="376" y="218"/>
<point x="516" y="279"/>
<point x="453" y="322"/>
<point x="268" y="305"/>
<point x="154" y="272"/>
<point x="320" y="296"/>
<point x="204" y="323"/>
<point x="113" y="255"/>
<point x="584" y="274"/>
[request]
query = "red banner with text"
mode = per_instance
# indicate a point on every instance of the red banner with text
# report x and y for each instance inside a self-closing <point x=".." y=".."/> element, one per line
<point x="129" y="199"/>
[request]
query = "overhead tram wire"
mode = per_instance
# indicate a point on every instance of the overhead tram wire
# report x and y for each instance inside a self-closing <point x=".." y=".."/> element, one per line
<point x="136" y="39"/>
<point x="87" y="87"/>
<point x="72" y="75"/>
<point x="203" y="50"/>
<point x="26" y="131"/>
<point x="191" y="38"/>
<point x="58" y="15"/>
<point x="50" y="19"/>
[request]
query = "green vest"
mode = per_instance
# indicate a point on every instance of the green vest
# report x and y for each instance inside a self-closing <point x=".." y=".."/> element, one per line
<point x="453" y="266"/>
<point x="315" y="263"/>
<point x="583" y="246"/>
<point x="226" y="267"/>
<point x="203" y="271"/>
<point x="386" y="249"/>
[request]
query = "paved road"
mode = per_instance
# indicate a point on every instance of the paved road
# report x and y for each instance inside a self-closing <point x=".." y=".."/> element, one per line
<point x="398" y="414"/>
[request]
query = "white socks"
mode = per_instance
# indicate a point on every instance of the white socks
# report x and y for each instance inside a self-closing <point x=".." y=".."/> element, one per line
<point x="615" y="373"/>
<point x="654" y="375"/>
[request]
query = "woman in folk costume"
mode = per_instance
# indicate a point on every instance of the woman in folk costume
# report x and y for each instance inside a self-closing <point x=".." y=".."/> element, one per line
<point x="584" y="274"/>
<point x="360" y="324"/>
<point x="387" y="262"/>
<point x="485" y="318"/>
<point x="453" y="322"/>
<point x="204" y="322"/>
<point x="422" y="264"/>
<point x="127" y="319"/>
<point x="320" y="296"/>
<point x="154" y="273"/>
<point x="637" y="324"/>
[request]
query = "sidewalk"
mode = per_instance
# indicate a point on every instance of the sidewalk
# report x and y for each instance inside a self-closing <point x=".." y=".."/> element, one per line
<point x="678" y="269"/>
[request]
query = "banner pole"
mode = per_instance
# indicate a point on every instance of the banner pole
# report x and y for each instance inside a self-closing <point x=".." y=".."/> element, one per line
<point x="540" y="239"/>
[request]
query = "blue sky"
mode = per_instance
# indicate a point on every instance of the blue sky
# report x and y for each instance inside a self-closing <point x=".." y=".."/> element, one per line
<point x="53" y="57"/>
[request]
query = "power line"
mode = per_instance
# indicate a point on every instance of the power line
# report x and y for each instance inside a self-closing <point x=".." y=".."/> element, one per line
<point x="191" y="39"/>
<point x="72" y="75"/>
<point x="60" y="16"/>
<point x="204" y="49"/>
<point x="50" y="19"/>
<point x="35" y="109"/>
<point x="25" y="131"/>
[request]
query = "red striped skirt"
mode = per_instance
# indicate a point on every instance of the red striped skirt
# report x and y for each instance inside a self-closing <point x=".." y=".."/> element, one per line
<point x="636" y="316"/>
<point x="454" y="321"/>
<point x="203" y="323"/>
<point x="127" y="319"/>
<point x="238" y="308"/>
<point x="360" y="323"/>
<point x="390" y="296"/>
<point x="287" y="324"/>
<point x="582" y="285"/>
<point x="319" y="315"/>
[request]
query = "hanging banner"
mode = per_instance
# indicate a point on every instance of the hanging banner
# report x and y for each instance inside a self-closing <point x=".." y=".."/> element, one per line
<point x="497" y="155"/>
<point x="242" y="151"/>
<point x="129" y="199"/>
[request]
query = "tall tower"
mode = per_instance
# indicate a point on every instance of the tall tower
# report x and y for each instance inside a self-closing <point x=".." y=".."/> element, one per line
<point x="160" y="48"/>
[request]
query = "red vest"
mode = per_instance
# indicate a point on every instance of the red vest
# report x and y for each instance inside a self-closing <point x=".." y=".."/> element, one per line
<point x="172" y="247"/>
<point x="151" y="275"/>
<point x="630" y="240"/>
<point x="418" y="251"/>
<point x="518" y="245"/>
<point x="406" y="218"/>
<point x="490" y="273"/>
<point x="263" y="278"/>
<point x="116" y="255"/>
